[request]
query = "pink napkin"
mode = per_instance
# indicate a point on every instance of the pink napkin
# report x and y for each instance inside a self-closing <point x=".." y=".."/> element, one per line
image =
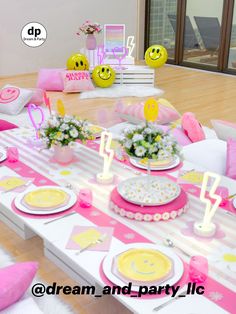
<point x="104" y="246"/>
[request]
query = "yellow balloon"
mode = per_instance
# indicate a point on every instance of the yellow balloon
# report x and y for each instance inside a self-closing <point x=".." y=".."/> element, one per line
<point x="77" y="62"/>
<point x="103" y="75"/>
<point x="60" y="108"/>
<point x="156" y="56"/>
<point x="151" y="110"/>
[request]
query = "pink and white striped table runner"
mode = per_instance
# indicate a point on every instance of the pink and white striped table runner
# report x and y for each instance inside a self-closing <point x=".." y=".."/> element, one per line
<point x="133" y="231"/>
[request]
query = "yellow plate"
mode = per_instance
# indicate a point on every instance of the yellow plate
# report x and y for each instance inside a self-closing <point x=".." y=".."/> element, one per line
<point x="157" y="163"/>
<point x="95" y="129"/>
<point x="44" y="198"/>
<point x="144" y="265"/>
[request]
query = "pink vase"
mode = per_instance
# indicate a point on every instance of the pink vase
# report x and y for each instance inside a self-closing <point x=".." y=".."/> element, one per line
<point x="91" y="42"/>
<point x="63" y="154"/>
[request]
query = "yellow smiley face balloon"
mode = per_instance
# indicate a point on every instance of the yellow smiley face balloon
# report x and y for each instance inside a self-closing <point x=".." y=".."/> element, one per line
<point x="103" y="75"/>
<point x="77" y="62"/>
<point x="151" y="110"/>
<point x="156" y="56"/>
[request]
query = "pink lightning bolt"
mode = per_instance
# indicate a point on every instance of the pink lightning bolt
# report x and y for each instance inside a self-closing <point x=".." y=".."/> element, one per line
<point x="101" y="54"/>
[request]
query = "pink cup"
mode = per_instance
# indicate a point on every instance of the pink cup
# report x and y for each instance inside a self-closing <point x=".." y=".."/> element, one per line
<point x="85" y="198"/>
<point x="12" y="154"/>
<point x="224" y="193"/>
<point x="198" y="269"/>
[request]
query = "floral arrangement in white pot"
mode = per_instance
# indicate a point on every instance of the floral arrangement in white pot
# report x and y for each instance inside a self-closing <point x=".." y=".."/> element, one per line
<point x="61" y="132"/>
<point x="149" y="142"/>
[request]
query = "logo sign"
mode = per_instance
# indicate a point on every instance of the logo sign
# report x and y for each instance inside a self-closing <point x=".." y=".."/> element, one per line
<point x="33" y="34"/>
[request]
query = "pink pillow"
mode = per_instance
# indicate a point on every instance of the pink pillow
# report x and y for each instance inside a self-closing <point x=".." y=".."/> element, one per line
<point x="224" y="129"/>
<point x="76" y="81"/>
<point x="13" y="99"/>
<point x="192" y="127"/>
<point x="5" y="125"/>
<point x="37" y="97"/>
<point x="50" y="80"/>
<point x="231" y="159"/>
<point x="135" y="113"/>
<point x="178" y="134"/>
<point x="15" y="280"/>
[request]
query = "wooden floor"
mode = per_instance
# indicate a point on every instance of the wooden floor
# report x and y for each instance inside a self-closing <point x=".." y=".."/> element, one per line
<point x="209" y="95"/>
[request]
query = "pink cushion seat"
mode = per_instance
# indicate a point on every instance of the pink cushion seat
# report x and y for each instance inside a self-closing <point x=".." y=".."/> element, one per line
<point x="15" y="280"/>
<point x="231" y="159"/>
<point x="5" y="125"/>
<point x="192" y="127"/>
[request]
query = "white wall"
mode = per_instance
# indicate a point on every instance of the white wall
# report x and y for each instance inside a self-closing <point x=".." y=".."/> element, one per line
<point x="61" y="18"/>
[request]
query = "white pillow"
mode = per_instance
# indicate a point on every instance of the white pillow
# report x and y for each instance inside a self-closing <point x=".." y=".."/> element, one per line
<point x="209" y="154"/>
<point x="23" y="306"/>
<point x="13" y="99"/>
<point x="224" y="130"/>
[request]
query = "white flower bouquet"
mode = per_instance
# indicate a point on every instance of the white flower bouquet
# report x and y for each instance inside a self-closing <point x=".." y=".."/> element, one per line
<point x="148" y="141"/>
<point x="62" y="131"/>
<point x="89" y="27"/>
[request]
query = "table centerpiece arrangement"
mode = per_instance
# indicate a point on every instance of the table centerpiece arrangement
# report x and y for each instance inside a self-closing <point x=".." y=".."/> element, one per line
<point x="149" y="198"/>
<point x="150" y="146"/>
<point x="60" y="132"/>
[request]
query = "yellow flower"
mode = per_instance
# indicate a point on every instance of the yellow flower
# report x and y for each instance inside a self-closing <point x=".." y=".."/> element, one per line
<point x="58" y="135"/>
<point x="158" y="138"/>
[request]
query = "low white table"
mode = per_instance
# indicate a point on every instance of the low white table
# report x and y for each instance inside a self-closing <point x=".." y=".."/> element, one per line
<point x="85" y="267"/>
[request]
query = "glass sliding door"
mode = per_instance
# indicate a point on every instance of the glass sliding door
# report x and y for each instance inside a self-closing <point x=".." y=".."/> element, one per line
<point x="232" y="49"/>
<point x="202" y="32"/>
<point x="162" y="24"/>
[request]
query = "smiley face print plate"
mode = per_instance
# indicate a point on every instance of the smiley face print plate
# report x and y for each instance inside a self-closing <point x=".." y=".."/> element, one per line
<point x="143" y="266"/>
<point x="143" y="263"/>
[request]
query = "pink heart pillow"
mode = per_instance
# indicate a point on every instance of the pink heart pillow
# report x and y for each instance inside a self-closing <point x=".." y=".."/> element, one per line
<point x="231" y="159"/>
<point x="192" y="127"/>
<point x="14" y="282"/>
<point x="76" y="81"/>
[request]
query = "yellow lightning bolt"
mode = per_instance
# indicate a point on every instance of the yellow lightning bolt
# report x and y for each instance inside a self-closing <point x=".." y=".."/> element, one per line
<point x="130" y="45"/>
<point x="210" y="209"/>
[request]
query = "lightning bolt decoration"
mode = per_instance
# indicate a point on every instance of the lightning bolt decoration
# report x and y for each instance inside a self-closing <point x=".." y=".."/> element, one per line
<point x="130" y="44"/>
<point x="101" y="54"/>
<point x="206" y="228"/>
<point x="107" y="153"/>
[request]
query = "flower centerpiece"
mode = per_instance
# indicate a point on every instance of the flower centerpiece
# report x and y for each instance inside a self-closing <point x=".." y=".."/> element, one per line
<point x="149" y="142"/>
<point x="90" y="28"/>
<point x="61" y="132"/>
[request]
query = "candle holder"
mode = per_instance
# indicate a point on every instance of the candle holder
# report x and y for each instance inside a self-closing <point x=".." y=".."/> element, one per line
<point x="207" y="228"/>
<point x="105" y="151"/>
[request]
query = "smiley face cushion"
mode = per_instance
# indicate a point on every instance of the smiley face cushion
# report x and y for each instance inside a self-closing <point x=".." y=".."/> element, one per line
<point x="143" y="266"/>
<point x="76" y="81"/>
<point x="13" y="99"/>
